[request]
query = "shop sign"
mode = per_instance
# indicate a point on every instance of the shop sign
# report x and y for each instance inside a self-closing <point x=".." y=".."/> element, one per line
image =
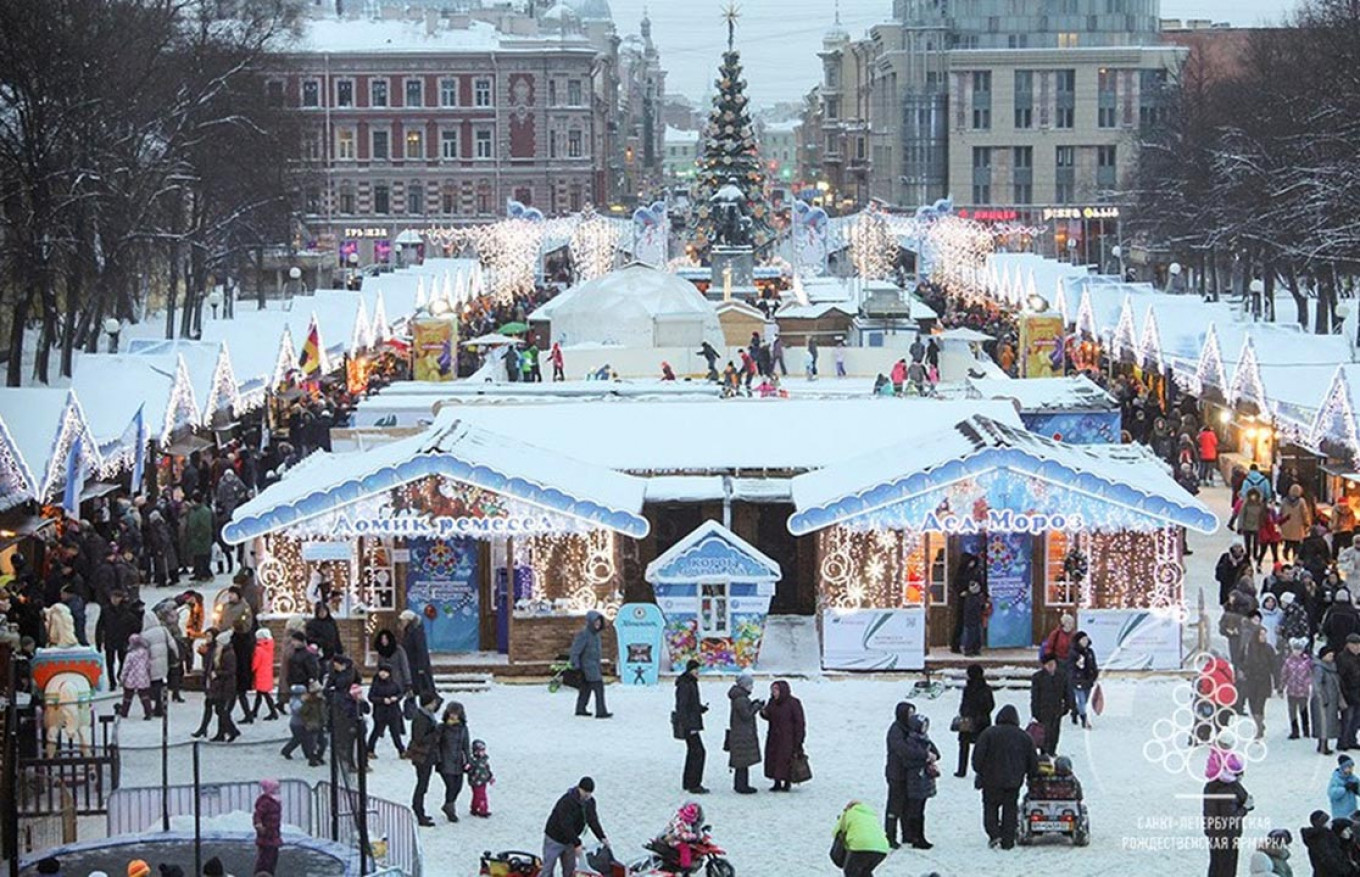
<point x="874" y="639"/>
<point x="1002" y="521"/>
<point x="366" y="232"/>
<point x="445" y="527"/>
<point x="322" y="550"/>
<point x="1134" y="639"/>
<point x="1080" y="213"/>
<point x="989" y="215"/>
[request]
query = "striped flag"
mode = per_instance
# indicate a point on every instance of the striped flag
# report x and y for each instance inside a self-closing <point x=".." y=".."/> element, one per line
<point x="310" y="360"/>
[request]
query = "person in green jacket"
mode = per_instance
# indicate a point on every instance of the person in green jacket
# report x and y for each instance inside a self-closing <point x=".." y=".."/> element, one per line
<point x="199" y="531"/>
<point x="865" y="843"/>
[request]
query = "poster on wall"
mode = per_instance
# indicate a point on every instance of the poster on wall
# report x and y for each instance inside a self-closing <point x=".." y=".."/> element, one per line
<point x="1133" y="639"/>
<point x="432" y="347"/>
<point x="874" y="639"/>
<point x="442" y="587"/>
<point x="1041" y="345"/>
<point x="639" y="627"/>
<point x="1010" y="571"/>
<point x="1075" y="427"/>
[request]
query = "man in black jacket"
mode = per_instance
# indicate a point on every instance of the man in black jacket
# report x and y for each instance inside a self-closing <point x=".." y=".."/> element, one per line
<point x="1226" y="803"/>
<point x="1049" y="701"/>
<point x="1232" y="564"/>
<point x="562" y="835"/>
<point x="689" y="723"/>
<point x="1002" y="758"/>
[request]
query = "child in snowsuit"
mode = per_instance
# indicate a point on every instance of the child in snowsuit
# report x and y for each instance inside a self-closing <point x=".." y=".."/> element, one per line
<point x="136" y="676"/>
<point x="1298" y="685"/>
<point x="262" y="679"/>
<point x="479" y="777"/>
<point x="385" y="696"/>
<point x="685" y="828"/>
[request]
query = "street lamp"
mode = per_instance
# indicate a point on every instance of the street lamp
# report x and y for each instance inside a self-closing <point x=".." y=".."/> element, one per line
<point x="112" y="326"/>
<point x="215" y="300"/>
<point x="1174" y="270"/>
<point x="1257" y="289"/>
<point x="1072" y="250"/>
<point x="1118" y="253"/>
<point x="354" y="269"/>
<point x="294" y="276"/>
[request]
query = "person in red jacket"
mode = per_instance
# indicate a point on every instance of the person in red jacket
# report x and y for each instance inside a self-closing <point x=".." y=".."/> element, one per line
<point x="262" y="680"/>
<point x="1208" y="454"/>
<point x="1058" y="643"/>
<point x="1215" y="697"/>
<point x="268" y="819"/>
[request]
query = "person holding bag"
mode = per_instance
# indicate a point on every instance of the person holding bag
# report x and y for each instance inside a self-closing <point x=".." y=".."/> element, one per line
<point x="743" y="740"/>
<point x="785" y="735"/>
<point x="975" y="714"/>
<point x="922" y="768"/>
<point x="860" y="844"/>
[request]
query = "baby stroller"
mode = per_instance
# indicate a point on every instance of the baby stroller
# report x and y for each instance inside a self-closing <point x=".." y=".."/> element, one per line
<point x="510" y="864"/>
<point x="1053" y="805"/>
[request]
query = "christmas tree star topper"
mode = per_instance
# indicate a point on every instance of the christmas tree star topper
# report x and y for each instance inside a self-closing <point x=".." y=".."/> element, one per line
<point x="730" y="15"/>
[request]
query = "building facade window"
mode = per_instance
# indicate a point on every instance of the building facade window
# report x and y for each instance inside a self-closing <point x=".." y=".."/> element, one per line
<point x="311" y="93"/>
<point x="483" y="144"/>
<point x="415" y="92"/>
<point x="1022" y="171"/>
<point x="273" y="93"/>
<point x="448" y="144"/>
<point x="982" y="175"/>
<point x="415" y="144"/>
<point x="1024" y="99"/>
<point x="449" y="199"/>
<point x="1069" y="40"/>
<point x="832" y="108"/>
<point x="574" y="98"/>
<point x="1106" y="167"/>
<point x="1151" y="96"/>
<point x="381" y="145"/>
<point x="377" y="93"/>
<point x="344" y="92"/>
<point x="415" y="198"/>
<point x="982" y="100"/>
<point x="382" y="198"/>
<point x="1065" y="88"/>
<point x="344" y="144"/>
<point x="311" y="144"/>
<point x="574" y="141"/>
<point x="448" y="92"/>
<point x="481" y="92"/>
<point x="1107" y="96"/>
<point x="346" y="198"/>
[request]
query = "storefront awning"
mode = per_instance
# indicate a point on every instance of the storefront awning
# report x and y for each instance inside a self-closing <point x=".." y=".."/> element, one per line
<point x="456" y="450"/>
<point x="981" y="474"/>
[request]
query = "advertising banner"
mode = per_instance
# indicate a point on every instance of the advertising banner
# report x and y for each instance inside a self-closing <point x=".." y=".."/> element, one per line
<point x="639" y="627"/>
<point x="1133" y="639"/>
<point x="432" y="348"/>
<point x="874" y="639"/>
<point x="1041" y="345"/>
<point x="1010" y="574"/>
<point x="443" y="585"/>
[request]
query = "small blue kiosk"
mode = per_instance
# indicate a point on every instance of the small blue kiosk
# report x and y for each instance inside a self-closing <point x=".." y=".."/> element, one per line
<point x="714" y="589"/>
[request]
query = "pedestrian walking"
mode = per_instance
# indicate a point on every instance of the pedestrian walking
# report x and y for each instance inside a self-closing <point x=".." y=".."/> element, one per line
<point x="423" y="752"/>
<point x="571" y="815"/>
<point x="1262" y="677"/>
<point x="1049" y="700"/>
<point x="1082" y="673"/>
<point x="743" y="741"/>
<point x="411" y="637"/>
<point x="1003" y="758"/>
<point x="262" y="675"/>
<point x="222" y="688"/>
<point x="784" y="736"/>
<point x="975" y="713"/>
<point x="688" y="723"/>
<point x="479" y="776"/>
<point x="1348" y="674"/>
<point x="268" y="824"/>
<point x="136" y="677"/>
<point x="1325" y="705"/>
<point x="586" y="657"/>
<point x="384" y="695"/>
<point x="455" y="754"/>
<point x="1226" y="803"/>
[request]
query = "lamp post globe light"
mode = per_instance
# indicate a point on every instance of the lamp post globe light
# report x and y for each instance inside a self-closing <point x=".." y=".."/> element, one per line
<point x="215" y="300"/>
<point x="112" y="326"/>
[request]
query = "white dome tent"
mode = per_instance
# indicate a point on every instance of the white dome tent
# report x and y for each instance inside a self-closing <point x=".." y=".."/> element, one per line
<point x="636" y="306"/>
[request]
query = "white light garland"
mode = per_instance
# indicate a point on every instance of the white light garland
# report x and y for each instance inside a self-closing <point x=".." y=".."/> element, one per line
<point x="362" y="336"/>
<point x="1335" y="420"/>
<point x="1246" y="380"/>
<point x="1151" y="344"/>
<point x="1209" y="369"/>
<point x="380" y="328"/>
<point x="873" y="248"/>
<point x="286" y="363"/>
<point x="183" y="407"/>
<point x="594" y="243"/>
<point x="224" y="386"/>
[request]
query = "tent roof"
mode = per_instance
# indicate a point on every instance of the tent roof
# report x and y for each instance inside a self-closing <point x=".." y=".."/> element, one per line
<point x="1046" y="394"/>
<point x="456" y="449"/>
<point x="628" y="302"/>
<point x="1099" y="480"/>
<point x="35" y="419"/>
<point x="712" y="551"/>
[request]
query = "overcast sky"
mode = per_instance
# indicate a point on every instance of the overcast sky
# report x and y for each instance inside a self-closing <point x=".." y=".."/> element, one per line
<point x="779" y="39"/>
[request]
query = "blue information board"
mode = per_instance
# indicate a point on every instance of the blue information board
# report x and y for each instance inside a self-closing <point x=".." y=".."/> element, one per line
<point x="639" y="627"/>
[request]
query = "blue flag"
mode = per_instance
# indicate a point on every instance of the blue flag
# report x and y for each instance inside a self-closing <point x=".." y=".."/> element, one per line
<point x="75" y="482"/>
<point x="139" y="452"/>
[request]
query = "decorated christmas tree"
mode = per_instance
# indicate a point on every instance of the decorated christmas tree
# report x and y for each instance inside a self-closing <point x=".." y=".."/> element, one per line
<point x="730" y="159"/>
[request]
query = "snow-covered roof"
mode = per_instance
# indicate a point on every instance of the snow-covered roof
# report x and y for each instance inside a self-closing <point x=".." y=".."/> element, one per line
<point x="1078" y="393"/>
<point x="715" y="435"/>
<point x="1009" y="469"/>
<point x="210" y="370"/>
<point x="331" y="34"/>
<point x="456" y="449"/>
<point x="107" y="383"/>
<point x="795" y="311"/>
<point x="636" y="306"/>
<point x="1336" y="417"/>
<point x="38" y="423"/>
<point x="712" y="551"/>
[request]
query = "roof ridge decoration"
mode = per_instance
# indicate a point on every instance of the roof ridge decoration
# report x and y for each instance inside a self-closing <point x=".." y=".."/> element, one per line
<point x="1124" y="336"/>
<point x="1335" y="420"/>
<point x="713" y="552"/>
<point x="1151" y="343"/>
<point x="1210" y="360"/>
<point x="1246" y="380"/>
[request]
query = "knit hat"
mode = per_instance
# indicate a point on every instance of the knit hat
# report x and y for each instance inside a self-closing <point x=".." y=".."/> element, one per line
<point x="263" y="633"/>
<point x="691" y="665"/>
<point x="746" y="680"/>
<point x="270" y="787"/>
<point x="1352" y="638"/>
<point x="213" y="868"/>
<point x="1344" y="761"/>
<point x="1287" y="598"/>
<point x="586" y="784"/>
<point x="138" y="868"/>
<point x="49" y="865"/>
<point x="169" y="870"/>
<point x="1343" y="595"/>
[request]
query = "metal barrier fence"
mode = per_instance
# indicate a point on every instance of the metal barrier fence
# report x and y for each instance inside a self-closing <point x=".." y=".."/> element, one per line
<point x="386" y="819"/>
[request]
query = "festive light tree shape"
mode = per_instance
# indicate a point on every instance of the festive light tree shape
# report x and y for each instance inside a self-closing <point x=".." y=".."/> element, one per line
<point x="380" y="329"/>
<point x="1209" y="370"/>
<point x="1124" y="339"/>
<point x="1151" y="345"/>
<point x="224" y="392"/>
<point x="1335" y="420"/>
<point x="730" y="152"/>
<point x="362" y="336"/>
<point x="873" y="248"/>
<point x="1246" y="379"/>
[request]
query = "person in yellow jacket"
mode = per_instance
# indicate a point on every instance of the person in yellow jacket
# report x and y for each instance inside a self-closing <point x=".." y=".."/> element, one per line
<point x="865" y="843"/>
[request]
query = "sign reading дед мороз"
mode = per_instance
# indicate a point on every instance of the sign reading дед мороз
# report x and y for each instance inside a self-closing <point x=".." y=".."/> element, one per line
<point x="1001" y="521"/>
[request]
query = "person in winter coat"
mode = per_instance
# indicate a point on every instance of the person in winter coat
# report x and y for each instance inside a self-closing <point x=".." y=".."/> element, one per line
<point x="969" y="571"/>
<point x="1348" y="562"/>
<point x="1294" y="622"/>
<point x="1275" y="850"/>
<point x="1082" y="673"/>
<point x="920" y="764"/>
<point x="866" y="845"/>
<point x="586" y="656"/>
<point x="136" y="676"/>
<point x="165" y="661"/>
<point x="785" y="735"/>
<point x="237" y="618"/>
<point x="1256" y="480"/>
<point x="1296" y="518"/>
<point x="1272" y="617"/>
<point x="304" y="664"/>
<point x="118" y="621"/>
<point x="1049" y="700"/>
<point x="300" y="734"/>
<point x="974" y="607"/>
<point x="393" y="655"/>
<point x="268" y="823"/>
<point x="1296" y="678"/>
<point x="1343" y="789"/>
<point x="323" y="632"/>
<point x="1342" y="619"/>
<point x="1232" y="565"/>
<point x="160" y="549"/>
<point x="1240" y="606"/>
<point x="1208" y="454"/>
<point x="222" y="688"/>
<point x="570" y="816"/>
<point x="385" y="696"/>
<point x="1268" y="537"/>
<point x="455" y="754"/>
<point x="411" y="637"/>
<point x="424" y="751"/>
<point x="1329" y="846"/>
<point x="479" y="776"/>
<point x="1226" y="803"/>
<point x="975" y="713"/>
<point x="1003" y="758"/>
<point x="743" y="740"/>
<point x="262" y="675"/>
<point x="231" y="492"/>
<point x="1348" y="674"/>
<point x="1261" y="669"/>
<point x="1326" y="702"/>
<point x="1248" y="514"/>
<point x="689" y="722"/>
<point x="199" y="533"/>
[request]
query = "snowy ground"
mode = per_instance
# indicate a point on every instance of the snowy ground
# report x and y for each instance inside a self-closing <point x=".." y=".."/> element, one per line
<point x="1141" y="780"/>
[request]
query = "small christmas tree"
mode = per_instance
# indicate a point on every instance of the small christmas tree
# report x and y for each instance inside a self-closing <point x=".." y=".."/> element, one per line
<point x="730" y="155"/>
